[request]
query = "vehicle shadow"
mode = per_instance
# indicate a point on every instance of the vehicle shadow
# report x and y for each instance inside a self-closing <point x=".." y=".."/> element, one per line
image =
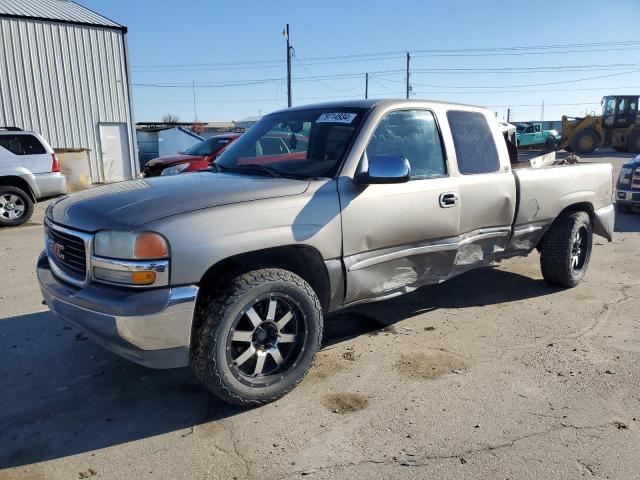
<point x="63" y="395"/>
<point x="627" y="222"/>
<point x="484" y="286"/>
<point x="608" y="153"/>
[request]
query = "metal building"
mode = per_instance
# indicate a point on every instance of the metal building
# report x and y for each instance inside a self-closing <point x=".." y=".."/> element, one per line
<point x="64" y="73"/>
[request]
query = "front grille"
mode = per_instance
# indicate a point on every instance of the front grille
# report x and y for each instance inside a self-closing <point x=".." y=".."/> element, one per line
<point x="635" y="179"/>
<point x="153" y="171"/>
<point x="68" y="252"/>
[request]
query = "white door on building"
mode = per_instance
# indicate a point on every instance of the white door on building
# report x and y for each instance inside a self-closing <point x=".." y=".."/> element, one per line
<point x="116" y="160"/>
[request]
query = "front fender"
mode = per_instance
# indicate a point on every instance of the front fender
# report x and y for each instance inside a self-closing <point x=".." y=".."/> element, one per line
<point x="205" y="237"/>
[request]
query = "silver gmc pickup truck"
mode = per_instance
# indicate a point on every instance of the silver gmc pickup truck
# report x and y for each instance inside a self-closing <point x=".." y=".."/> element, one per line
<point x="231" y="269"/>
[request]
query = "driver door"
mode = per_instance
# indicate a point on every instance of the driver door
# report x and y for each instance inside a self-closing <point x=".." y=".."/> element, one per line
<point x="397" y="237"/>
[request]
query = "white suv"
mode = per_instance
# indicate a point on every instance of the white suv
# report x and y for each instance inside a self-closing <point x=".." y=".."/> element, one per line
<point x="29" y="171"/>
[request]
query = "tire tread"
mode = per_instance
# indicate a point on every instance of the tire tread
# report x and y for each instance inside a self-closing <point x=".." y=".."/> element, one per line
<point x="556" y="247"/>
<point x="211" y="309"/>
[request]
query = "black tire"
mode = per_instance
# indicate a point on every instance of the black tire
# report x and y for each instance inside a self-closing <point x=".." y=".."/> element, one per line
<point x="622" y="208"/>
<point x="585" y="142"/>
<point x="562" y="263"/>
<point x="221" y="312"/>
<point x="16" y="206"/>
<point x="549" y="145"/>
<point x="619" y="148"/>
<point x="633" y="142"/>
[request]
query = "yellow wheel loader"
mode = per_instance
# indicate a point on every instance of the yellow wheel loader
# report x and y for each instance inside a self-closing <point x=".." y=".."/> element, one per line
<point x="617" y="127"/>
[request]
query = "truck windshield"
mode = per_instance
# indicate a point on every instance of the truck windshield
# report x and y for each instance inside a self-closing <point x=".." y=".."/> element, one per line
<point x="298" y="143"/>
<point x="207" y="147"/>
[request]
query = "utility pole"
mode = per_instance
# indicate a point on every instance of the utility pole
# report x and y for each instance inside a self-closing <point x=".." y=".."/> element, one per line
<point x="408" y="86"/>
<point x="508" y="115"/>
<point x="366" y="85"/>
<point x="195" y="111"/>
<point x="289" y="48"/>
<point x="542" y="112"/>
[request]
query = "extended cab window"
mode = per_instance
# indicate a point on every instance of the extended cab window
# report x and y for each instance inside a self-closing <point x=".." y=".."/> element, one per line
<point x="475" y="148"/>
<point x="22" y="144"/>
<point x="412" y="134"/>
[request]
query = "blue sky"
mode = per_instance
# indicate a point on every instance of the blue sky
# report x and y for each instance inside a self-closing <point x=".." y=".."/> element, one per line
<point x="215" y="44"/>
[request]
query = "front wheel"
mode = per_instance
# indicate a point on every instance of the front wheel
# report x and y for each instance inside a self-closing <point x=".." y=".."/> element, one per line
<point x="585" y="142"/>
<point x="256" y="337"/>
<point x="566" y="250"/>
<point x="633" y="142"/>
<point x="549" y="145"/>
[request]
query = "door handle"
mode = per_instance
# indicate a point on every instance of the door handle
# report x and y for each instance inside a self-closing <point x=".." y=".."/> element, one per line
<point x="448" y="200"/>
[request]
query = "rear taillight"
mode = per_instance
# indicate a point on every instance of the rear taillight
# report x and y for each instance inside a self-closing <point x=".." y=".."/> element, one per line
<point x="55" y="166"/>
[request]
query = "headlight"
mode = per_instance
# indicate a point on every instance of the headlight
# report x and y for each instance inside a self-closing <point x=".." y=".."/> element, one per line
<point x="130" y="258"/>
<point x="625" y="175"/>
<point x="181" y="167"/>
<point x="130" y="245"/>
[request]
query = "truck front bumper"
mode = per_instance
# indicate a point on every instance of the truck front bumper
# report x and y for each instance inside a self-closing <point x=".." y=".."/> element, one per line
<point x="148" y="327"/>
<point x="628" y="197"/>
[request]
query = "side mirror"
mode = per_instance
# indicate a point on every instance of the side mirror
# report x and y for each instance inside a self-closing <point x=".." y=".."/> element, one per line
<point x="385" y="169"/>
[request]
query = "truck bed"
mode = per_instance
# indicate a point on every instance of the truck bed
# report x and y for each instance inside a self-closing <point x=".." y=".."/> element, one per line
<point x="543" y="193"/>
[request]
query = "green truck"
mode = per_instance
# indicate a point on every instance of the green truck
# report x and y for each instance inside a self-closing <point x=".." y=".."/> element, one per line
<point x="532" y="135"/>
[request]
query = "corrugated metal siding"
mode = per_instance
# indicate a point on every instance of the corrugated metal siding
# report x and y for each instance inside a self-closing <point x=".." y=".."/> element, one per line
<point x="61" y="10"/>
<point x="63" y="80"/>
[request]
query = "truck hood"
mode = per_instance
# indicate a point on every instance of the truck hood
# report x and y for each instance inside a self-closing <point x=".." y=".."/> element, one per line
<point x="129" y="205"/>
<point x="170" y="160"/>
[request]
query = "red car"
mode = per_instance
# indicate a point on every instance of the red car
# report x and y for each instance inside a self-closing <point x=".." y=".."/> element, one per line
<point x="196" y="157"/>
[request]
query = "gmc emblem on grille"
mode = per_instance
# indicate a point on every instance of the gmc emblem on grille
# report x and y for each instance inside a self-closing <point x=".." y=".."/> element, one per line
<point x="57" y="250"/>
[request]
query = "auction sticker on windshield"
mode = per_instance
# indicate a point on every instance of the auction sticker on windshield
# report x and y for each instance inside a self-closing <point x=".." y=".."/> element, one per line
<point x="338" y="117"/>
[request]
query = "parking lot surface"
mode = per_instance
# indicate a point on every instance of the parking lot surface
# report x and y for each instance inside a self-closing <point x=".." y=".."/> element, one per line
<point x="492" y="374"/>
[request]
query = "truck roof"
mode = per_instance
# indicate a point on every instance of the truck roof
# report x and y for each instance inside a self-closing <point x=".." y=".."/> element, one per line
<point x="370" y="103"/>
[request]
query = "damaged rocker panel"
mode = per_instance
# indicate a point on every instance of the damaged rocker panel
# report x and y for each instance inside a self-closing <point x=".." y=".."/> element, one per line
<point x="400" y="269"/>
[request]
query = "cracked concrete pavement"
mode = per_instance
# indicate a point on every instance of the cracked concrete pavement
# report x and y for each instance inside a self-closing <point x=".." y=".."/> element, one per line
<point x="490" y="375"/>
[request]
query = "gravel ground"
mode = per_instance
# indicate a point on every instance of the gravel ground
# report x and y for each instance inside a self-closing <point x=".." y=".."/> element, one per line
<point x="490" y="375"/>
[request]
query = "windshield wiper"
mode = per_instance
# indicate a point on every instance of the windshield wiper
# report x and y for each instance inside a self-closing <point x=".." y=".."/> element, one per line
<point x="218" y="167"/>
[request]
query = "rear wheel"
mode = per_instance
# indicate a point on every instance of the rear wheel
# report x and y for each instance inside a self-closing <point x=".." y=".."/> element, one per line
<point x="257" y="337"/>
<point x="16" y="206"/>
<point x="585" y="142"/>
<point x="633" y="143"/>
<point x="566" y="250"/>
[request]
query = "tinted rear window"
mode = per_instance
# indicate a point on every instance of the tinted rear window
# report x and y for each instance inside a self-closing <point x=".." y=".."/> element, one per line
<point x="475" y="148"/>
<point x="22" y="144"/>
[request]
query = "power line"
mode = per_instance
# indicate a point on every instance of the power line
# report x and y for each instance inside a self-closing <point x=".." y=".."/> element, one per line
<point x="379" y="73"/>
<point x="318" y="80"/>
<point x="523" y="85"/>
<point x="547" y="49"/>
<point x="275" y="64"/>
<point x="543" y="68"/>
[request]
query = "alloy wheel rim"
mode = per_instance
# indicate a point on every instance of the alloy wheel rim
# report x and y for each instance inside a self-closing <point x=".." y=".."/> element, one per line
<point x="579" y="249"/>
<point x="266" y="340"/>
<point x="12" y="206"/>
